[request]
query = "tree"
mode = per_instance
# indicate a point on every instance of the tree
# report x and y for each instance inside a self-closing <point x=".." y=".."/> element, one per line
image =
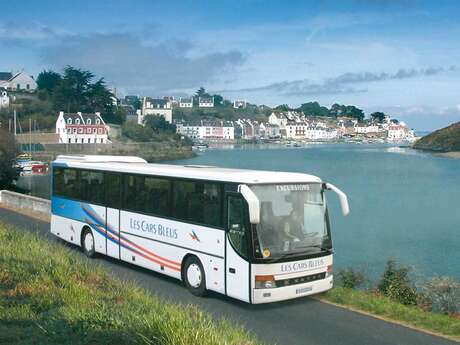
<point x="100" y="99"/>
<point x="201" y="92"/>
<point x="347" y="111"/>
<point x="159" y="124"/>
<point x="283" y="107"/>
<point x="137" y="132"/>
<point x="48" y="80"/>
<point x="313" y="109"/>
<point x="75" y="92"/>
<point x="8" y="152"/>
<point x="133" y="101"/>
<point x="378" y="116"/>
<point x="218" y="100"/>
<point x="71" y="92"/>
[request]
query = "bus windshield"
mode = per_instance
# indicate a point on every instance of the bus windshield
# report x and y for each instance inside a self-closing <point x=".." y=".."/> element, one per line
<point x="293" y="220"/>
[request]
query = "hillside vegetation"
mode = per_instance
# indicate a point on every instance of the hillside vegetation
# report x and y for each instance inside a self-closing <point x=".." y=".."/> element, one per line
<point x="51" y="295"/>
<point x="443" y="140"/>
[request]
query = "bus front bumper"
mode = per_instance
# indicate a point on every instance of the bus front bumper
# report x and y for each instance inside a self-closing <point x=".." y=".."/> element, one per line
<point x="292" y="291"/>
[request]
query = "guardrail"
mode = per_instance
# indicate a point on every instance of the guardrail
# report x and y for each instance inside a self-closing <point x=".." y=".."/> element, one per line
<point x="25" y="202"/>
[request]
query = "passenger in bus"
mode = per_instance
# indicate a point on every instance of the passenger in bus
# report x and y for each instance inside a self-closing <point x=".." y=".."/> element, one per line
<point x="269" y="225"/>
<point x="293" y="226"/>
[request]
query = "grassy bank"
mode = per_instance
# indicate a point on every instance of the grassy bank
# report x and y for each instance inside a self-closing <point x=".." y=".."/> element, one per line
<point x="386" y="308"/>
<point x="49" y="294"/>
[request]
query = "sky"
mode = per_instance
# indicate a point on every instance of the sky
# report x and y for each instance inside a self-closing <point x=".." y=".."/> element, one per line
<point x="397" y="56"/>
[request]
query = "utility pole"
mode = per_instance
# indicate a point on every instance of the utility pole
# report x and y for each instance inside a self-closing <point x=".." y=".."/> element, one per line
<point x="14" y="117"/>
<point x="30" y="137"/>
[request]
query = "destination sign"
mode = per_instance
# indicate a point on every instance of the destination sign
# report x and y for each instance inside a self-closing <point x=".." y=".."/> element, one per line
<point x="292" y="187"/>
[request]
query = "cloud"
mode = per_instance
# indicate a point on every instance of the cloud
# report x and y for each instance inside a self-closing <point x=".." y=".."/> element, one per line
<point x="423" y="117"/>
<point x="30" y="31"/>
<point x="126" y="61"/>
<point x="342" y="84"/>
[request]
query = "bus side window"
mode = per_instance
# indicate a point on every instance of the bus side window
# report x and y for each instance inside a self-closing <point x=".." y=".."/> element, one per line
<point x="71" y="187"/>
<point x="112" y="182"/>
<point x="198" y="202"/>
<point x="58" y="181"/>
<point x="236" y="224"/>
<point x="92" y="186"/>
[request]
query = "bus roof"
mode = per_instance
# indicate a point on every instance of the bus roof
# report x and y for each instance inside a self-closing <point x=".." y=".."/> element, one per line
<point x="137" y="165"/>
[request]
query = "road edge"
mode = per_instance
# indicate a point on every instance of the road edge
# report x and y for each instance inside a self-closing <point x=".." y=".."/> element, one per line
<point x="383" y="318"/>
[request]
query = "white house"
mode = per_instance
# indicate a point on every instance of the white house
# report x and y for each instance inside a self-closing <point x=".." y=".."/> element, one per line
<point x="396" y="132"/>
<point x="186" y="102"/>
<point x="206" y="102"/>
<point x="315" y="132"/>
<point x="400" y="132"/>
<point x="191" y="130"/>
<point x="4" y="99"/>
<point x="366" y="129"/>
<point x="278" y="119"/>
<point x="18" y="81"/>
<point x="272" y="131"/>
<point x="296" y="130"/>
<point x="239" y="104"/>
<point x="208" y="130"/>
<point x="79" y="128"/>
<point x="155" y="106"/>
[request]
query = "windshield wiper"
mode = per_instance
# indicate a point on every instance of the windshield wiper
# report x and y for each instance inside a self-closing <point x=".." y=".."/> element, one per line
<point x="315" y="246"/>
<point x="322" y="247"/>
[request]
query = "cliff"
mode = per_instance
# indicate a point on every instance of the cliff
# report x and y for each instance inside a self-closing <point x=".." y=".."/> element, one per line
<point x="443" y="140"/>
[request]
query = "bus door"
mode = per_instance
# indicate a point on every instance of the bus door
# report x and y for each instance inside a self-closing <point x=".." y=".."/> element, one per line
<point x="113" y="184"/>
<point x="237" y="265"/>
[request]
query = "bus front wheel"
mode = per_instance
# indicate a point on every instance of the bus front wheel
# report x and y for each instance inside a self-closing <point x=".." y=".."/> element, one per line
<point x="87" y="243"/>
<point x="194" y="276"/>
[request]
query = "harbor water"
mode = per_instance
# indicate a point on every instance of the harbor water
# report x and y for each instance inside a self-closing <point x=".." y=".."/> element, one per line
<point x="405" y="204"/>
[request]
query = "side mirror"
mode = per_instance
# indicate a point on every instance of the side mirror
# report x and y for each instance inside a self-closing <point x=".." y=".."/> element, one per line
<point x="342" y="198"/>
<point x="253" y="203"/>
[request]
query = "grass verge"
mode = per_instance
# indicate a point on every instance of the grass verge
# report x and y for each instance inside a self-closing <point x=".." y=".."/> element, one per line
<point x="385" y="308"/>
<point x="49" y="294"/>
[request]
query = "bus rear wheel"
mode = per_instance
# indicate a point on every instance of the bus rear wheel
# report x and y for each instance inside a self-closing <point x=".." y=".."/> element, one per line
<point x="194" y="276"/>
<point x="87" y="243"/>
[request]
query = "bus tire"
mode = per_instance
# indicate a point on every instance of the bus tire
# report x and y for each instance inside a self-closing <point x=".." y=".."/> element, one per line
<point x="194" y="276"/>
<point x="87" y="243"/>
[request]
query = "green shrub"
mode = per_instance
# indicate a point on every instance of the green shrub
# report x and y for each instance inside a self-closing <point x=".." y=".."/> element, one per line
<point x="444" y="294"/>
<point x="396" y="284"/>
<point x="349" y="278"/>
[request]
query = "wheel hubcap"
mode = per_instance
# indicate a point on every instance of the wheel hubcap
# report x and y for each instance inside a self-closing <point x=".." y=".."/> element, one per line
<point x="194" y="275"/>
<point x="89" y="242"/>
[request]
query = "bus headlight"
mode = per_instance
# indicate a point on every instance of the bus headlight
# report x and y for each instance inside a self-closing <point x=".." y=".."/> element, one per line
<point x="329" y="271"/>
<point x="265" y="282"/>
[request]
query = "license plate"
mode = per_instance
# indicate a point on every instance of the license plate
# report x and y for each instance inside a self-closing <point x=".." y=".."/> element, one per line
<point x="303" y="290"/>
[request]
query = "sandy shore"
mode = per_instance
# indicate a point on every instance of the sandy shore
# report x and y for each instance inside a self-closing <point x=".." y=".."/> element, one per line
<point x="453" y="154"/>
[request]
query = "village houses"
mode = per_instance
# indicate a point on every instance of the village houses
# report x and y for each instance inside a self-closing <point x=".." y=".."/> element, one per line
<point x="186" y="102"/>
<point x="207" y="130"/>
<point x="364" y="128"/>
<point x="206" y="102"/>
<point x="155" y="106"/>
<point x="239" y="104"/>
<point x="80" y="128"/>
<point x="400" y="131"/>
<point x="20" y="81"/>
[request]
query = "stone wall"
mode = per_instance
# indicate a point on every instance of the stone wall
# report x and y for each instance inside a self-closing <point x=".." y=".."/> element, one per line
<point x="24" y="202"/>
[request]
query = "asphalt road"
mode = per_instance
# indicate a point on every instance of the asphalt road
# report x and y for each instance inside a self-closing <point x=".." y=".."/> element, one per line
<point x="302" y="321"/>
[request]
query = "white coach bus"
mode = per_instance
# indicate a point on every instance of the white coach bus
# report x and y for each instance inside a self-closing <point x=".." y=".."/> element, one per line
<point x="258" y="236"/>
